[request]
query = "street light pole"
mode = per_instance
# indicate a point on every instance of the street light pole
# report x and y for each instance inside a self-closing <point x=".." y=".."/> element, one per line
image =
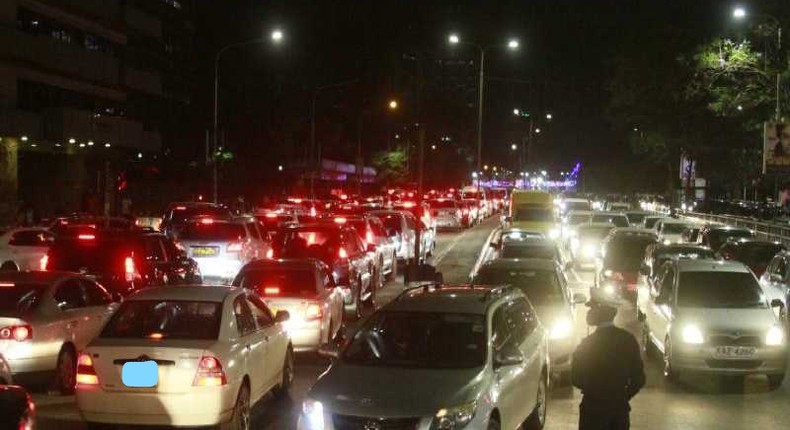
<point x="740" y="13"/>
<point x="480" y="93"/>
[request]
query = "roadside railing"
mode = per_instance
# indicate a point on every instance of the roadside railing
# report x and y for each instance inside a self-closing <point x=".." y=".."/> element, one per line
<point x="763" y="230"/>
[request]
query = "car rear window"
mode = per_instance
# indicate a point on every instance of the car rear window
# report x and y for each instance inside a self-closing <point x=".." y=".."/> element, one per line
<point x="626" y="253"/>
<point x="90" y="257"/>
<point x="635" y="218"/>
<point x="317" y="243"/>
<point x="540" y="286"/>
<point x="392" y="221"/>
<point x="617" y="220"/>
<point x="442" y="204"/>
<point x="521" y="251"/>
<point x="182" y="214"/>
<point x="214" y="232"/>
<point x="280" y="282"/>
<point x="532" y="213"/>
<point x="758" y="253"/>
<point x="165" y="319"/>
<point x="19" y="298"/>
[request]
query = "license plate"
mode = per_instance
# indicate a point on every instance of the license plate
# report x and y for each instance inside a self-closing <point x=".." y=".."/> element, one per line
<point x="140" y="374"/>
<point x="735" y="351"/>
<point x="205" y="251"/>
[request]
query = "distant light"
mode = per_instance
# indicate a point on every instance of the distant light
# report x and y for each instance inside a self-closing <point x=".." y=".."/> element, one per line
<point x="393" y="104"/>
<point x="636" y="128"/>
<point x="537" y="130"/>
<point x="57" y="145"/>
<point x="433" y="146"/>
<point x="512" y="44"/>
<point x="516" y="112"/>
<point x="24" y="138"/>
<point x="107" y="145"/>
<point x="485" y="167"/>
<point x="739" y="13"/>
<point x="543" y="172"/>
<point x="90" y="143"/>
<point x="397" y="136"/>
<point x="474" y="175"/>
<point x="514" y="146"/>
<point x="454" y="39"/>
<point x="82" y="145"/>
<point x="740" y="107"/>
<point x="139" y="155"/>
<point x="280" y="167"/>
<point x="72" y="141"/>
<point x="33" y="145"/>
<point x="549" y="116"/>
<point x="277" y="36"/>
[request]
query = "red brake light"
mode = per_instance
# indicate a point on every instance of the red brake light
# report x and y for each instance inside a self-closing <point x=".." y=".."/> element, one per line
<point x="270" y="253"/>
<point x="181" y="208"/>
<point x="210" y="373"/>
<point x="44" y="262"/>
<point x="313" y="311"/>
<point x="408" y="205"/>
<point x="86" y="373"/>
<point x="313" y="212"/>
<point x="207" y="220"/>
<point x="340" y="220"/>
<point x="235" y="247"/>
<point x="271" y="291"/>
<point x="86" y="236"/>
<point x="271" y="215"/>
<point x="369" y="237"/>
<point x="19" y="333"/>
<point x="341" y="253"/>
<point x="129" y="269"/>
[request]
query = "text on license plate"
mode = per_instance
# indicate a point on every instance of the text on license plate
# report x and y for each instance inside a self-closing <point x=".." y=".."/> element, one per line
<point x="735" y="351"/>
<point x="205" y="251"/>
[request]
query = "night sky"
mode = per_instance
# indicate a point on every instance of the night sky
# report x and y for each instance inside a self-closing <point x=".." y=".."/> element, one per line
<point x="563" y="66"/>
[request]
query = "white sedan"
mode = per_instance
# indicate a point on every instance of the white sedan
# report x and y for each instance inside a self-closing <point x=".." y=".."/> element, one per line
<point x="185" y="356"/>
<point x="24" y="248"/>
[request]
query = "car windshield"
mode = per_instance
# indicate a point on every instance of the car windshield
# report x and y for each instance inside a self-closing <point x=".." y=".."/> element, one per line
<point x="617" y="220"/>
<point x="718" y="237"/>
<point x="533" y="213"/>
<point x="673" y="228"/>
<point x="635" y="218"/>
<point x="308" y="243"/>
<point x="594" y="233"/>
<point x="650" y="222"/>
<point x="19" y="298"/>
<point x="528" y="251"/>
<point x="278" y="282"/>
<point x="626" y="253"/>
<point x="391" y="221"/>
<point x="541" y="287"/>
<point x="576" y="219"/>
<point x="430" y="340"/>
<point x="758" y="253"/>
<point x="213" y="232"/>
<point x="165" y="319"/>
<point x="714" y="289"/>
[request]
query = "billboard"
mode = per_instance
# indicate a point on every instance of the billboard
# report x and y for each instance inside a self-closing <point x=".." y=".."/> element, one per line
<point x="688" y="168"/>
<point x="776" y="147"/>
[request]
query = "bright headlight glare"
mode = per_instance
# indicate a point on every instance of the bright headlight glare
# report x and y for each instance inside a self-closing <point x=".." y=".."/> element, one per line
<point x="667" y="242"/>
<point x="574" y="243"/>
<point x="554" y="233"/>
<point x="692" y="334"/>
<point x="609" y="289"/>
<point x="589" y="250"/>
<point x="313" y="414"/>
<point x="454" y="418"/>
<point x="561" y="329"/>
<point x="775" y="336"/>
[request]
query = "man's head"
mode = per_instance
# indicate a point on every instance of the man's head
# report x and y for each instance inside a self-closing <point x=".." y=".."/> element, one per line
<point x="603" y="307"/>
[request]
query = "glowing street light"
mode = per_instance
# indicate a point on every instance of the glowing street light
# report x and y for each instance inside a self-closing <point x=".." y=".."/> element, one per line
<point x="549" y="117"/>
<point x="512" y="44"/>
<point x="537" y="130"/>
<point x="739" y="12"/>
<point x="433" y="147"/>
<point x="516" y="112"/>
<point x="474" y="175"/>
<point x="393" y="104"/>
<point x="454" y="39"/>
<point x="514" y="147"/>
<point x="277" y="36"/>
<point x="485" y="167"/>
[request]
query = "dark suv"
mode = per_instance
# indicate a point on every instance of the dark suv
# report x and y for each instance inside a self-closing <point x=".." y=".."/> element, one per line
<point x="122" y="261"/>
<point x="617" y="270"/>
<point x="341" y="248"/>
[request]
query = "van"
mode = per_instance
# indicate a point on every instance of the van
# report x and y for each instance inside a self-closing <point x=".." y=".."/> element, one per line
<point x="533" y="211"/>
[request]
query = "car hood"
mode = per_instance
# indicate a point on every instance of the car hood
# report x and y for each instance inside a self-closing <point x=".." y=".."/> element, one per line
<point x="743" y="320"/>
<point x="357" y="390"/>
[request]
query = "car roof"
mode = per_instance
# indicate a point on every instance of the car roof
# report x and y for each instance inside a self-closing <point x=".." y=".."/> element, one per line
<point x="671" y="246"/>
<point x="632" y="231"/>
<point x="521" y="263"/>
<point x="596" y="225"/>
<point x="608" y="213"/>
<point x="688" y="265"/>
<point x="674" y="221"/>
<point x="724" y="227"/>
<point x="448" y="299"/>
<point x="746" y="241"/>
<point x="198" y="293"/>
<point x="531" y="242"/>
<point x="35" y="277"/>
<point x="287" y="263"/>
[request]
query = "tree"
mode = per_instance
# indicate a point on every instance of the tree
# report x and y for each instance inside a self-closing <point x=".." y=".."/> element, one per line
<point x="391" y="167"/>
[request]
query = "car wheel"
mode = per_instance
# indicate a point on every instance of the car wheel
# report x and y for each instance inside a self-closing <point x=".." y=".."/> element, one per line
<point x="66" y="372"/>
<point x="493" y="424"/>
<point x="775" y="381"/>
<point x="283" y="388"/>
<point x="9" y="266"/>
<point x="241" y="411"/>
<point x="670" y="373"/>
<point x="537" y="419"/>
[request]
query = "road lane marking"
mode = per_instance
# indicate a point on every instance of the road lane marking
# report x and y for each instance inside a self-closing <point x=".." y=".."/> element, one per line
<point x="484" y="252"/>
<point x="439" y="257"/>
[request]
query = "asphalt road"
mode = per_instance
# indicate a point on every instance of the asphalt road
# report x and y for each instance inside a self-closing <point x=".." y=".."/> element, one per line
<point x="696" y="403"/>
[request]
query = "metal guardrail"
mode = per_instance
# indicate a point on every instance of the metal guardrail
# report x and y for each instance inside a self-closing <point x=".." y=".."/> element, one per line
<point x="763" y="230"/>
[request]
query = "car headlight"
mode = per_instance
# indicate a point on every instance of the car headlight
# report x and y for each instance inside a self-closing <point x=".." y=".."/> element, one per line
<point x="554" y="233"/>
<point x="775" y="336"/>
<point x="312" y="415"/>
<point x="589" y="250"/>
<point x="561" y="329"/>
<point x="692" y="334"/>
<point x="574" y="243"/>
<point x="609" y="289"/>
<point x="454" y="418"/>
<point x="667" y="242"/>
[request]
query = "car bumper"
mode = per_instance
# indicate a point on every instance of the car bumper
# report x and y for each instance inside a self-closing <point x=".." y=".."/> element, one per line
<point x="448" y="223"/>
<point x="219" y="268"/>
<point x="305" y="336"/>
<point x="205" y="406"/>
<point x="480" y="421"/>
<point x="704" y="360"/>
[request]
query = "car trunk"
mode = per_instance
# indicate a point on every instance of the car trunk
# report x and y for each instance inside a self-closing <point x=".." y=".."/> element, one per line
<point x="177" y="362"/>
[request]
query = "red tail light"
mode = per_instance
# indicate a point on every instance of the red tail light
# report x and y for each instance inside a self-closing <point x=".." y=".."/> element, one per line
<point x="341" y="253"/>
<point x="313" y="311"/>
<point x="19" y="333"/>
<point x="86" y="373"/>
<point x="129" y="269"/>
<point x="210" y="373"/>
<point x="207" y="221"/>
<point x="86" y="236"/>
<point x="44" y="262"/>
<point x="270" y="253"/>
<point x="466" y="211"/>
<point x="271" y="291"/>
<point x="271" y="215"/>
<point x="235" y="247"/>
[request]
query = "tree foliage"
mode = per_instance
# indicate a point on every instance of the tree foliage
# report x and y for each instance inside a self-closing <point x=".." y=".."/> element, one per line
<point x="391" y="167"/>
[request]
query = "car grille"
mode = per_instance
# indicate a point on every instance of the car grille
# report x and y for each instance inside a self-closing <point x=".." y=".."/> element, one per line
<point x="348" y="422"/>
<point x="725" y="340"/>
<point x="734" y="364"/>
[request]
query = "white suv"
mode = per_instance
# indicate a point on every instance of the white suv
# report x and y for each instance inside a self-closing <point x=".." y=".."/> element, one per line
<point x="712" y="317"/>
<point x="448" y="357"/>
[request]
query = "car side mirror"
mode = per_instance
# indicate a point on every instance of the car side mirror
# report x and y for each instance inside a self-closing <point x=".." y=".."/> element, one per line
<point x="508" y="356"/>
<point x="662" y="299"/>
<point x="329" y="350"/>
<point x="776" y="303"/>
<point x="579" y="298"/>
<point x="775" y="277"/>
<point x="282" y="316"/>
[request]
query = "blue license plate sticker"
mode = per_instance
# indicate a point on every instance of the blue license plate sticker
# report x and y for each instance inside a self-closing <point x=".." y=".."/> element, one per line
<point x="140" y="374"/>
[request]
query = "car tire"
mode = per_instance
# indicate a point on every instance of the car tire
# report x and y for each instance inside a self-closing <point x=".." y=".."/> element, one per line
<point x="670" y="374"/>
<point x="537" y="419"/>
<point x="282" y="390"/>
<point x="775" y="381"/>
<point x="66" y="371"/>
<point x="241" y="411"/>
<point x="493" y="424"/>
<point x="9" y="266"/>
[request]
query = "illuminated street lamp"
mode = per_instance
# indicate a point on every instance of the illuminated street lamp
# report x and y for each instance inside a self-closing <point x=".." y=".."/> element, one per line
<point x="537" y="131"/>
<point x="277" y="36"/>
<point x="548" y="117"/>
<point x="739" y="12"/>
<point x="512" y="44"/>
<point x="393" y="104"/>
<point x="514" y="147"/>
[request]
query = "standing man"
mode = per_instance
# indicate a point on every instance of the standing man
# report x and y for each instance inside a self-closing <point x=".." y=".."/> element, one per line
<point x="607" y="367"/>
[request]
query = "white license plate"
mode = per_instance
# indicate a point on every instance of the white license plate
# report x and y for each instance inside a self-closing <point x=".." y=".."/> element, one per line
<point x="735" y="351"/>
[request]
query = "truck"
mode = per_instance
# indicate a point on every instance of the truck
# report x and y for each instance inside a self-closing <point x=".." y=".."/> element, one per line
<point x="533" y="210"/>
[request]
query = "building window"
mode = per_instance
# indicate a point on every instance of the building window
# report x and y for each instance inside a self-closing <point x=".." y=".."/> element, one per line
<point x="39" y="25"/>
